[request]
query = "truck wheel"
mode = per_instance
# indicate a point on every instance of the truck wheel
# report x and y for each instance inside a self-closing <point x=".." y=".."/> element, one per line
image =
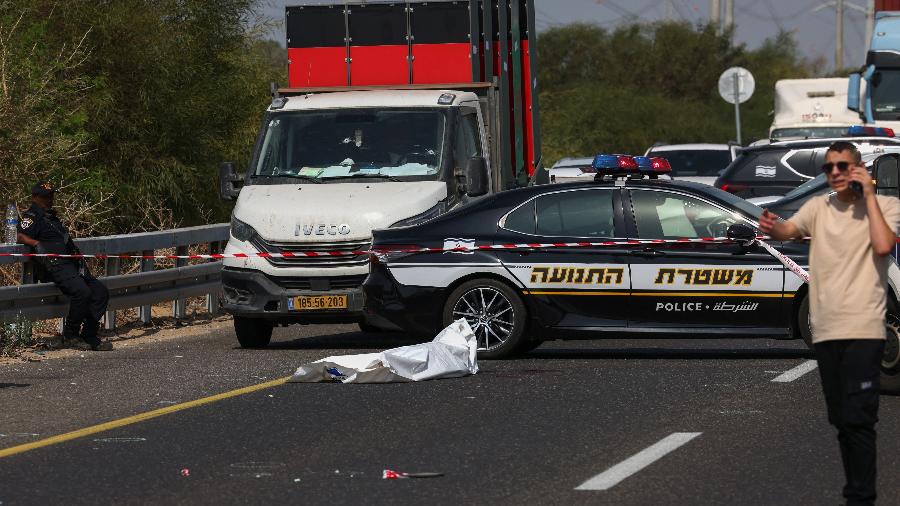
<point x="252" y="332"/>
<point x="495" y="312"/>
<point x="890" y="361"/>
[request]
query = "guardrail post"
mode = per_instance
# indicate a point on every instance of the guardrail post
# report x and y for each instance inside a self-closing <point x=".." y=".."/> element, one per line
<point x="212" y="298"/>
<point x="147" y="265"/>
<point x="28" y="279"/>
<point x="178" y="307"/>
<point x="111" y="266"/>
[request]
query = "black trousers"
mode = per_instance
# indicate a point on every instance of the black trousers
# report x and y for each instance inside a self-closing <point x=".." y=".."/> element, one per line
<point x="850" y="370"/>
<point x="88" y="299"/>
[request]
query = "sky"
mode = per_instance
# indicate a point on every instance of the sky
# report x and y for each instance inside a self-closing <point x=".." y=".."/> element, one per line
<point x="755" y="20"/>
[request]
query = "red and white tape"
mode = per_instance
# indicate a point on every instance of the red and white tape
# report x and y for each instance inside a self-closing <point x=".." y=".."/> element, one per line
<point x="784" y="259"/>
<point x="313" y="254"/>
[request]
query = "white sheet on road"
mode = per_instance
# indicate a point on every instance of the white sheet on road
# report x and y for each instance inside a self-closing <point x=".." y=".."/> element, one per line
<point x="450" y="355"/>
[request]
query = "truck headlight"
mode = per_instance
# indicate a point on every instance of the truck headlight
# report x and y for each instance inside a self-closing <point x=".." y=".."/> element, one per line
<point x="434" y="212"/>
<point x="240" y="230"/>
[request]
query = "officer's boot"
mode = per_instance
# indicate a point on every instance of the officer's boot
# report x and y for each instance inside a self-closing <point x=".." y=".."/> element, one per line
<point x="89" y="335"/>
<point x="71" y="336"/>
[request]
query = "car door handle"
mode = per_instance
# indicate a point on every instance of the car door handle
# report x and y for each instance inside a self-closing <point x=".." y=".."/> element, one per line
<point x="647" y="252"/>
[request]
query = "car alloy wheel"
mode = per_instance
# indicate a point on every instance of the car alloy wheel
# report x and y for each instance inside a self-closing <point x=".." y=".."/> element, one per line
<point x="489" y="313"/>
<point x="496" y="313"/>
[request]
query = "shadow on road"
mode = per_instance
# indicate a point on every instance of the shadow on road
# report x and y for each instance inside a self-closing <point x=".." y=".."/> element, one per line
<point x="347" y="341"/>
<point x="667" y="353"/>
<point x="14" y="385"/>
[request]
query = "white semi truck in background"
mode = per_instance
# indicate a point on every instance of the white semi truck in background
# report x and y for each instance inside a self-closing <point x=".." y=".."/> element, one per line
<point x="394" y="114"/>
<point x="811" y="108"/>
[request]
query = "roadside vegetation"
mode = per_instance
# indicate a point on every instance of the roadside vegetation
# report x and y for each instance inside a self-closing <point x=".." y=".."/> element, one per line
<point x="130" y="105"/>
<point x="622" y="90"/>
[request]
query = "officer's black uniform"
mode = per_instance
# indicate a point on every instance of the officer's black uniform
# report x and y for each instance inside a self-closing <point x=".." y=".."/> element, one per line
<point x="88" y="298"/>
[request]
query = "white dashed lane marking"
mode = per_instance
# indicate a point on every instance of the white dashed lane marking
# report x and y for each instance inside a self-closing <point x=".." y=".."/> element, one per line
<point x="615" y="474"/>
<point x="796" y="372"/>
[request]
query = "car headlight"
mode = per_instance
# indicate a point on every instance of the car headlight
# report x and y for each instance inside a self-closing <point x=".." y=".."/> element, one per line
<point x="240" y="230"/>
<point x="434" y="212"/>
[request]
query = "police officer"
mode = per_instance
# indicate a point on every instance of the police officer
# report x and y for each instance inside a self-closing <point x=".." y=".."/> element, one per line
<point x="41" y="229"/>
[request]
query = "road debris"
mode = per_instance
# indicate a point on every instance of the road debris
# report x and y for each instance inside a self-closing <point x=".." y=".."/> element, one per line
<point x="451" y="354"/>
<point x="390" y="474"/>
<point x="185" y="472"/>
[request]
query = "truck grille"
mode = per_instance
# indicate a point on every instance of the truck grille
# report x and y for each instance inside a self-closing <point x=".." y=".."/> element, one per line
<point x="324" y="261"/>
<point x="323" y="284"/>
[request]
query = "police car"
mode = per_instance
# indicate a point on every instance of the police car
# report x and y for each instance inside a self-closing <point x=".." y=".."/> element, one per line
<point x="515" y="295"/>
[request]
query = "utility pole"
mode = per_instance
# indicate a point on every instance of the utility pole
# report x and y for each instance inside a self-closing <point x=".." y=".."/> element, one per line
<point x="729" y="14"/>
<point x="870" y="22"/>
<point x="839" y="35"/>
<point x="714" y="14"/>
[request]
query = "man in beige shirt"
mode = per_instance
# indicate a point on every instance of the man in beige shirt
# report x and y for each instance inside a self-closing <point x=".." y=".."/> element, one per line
<point x="853" y="231"/>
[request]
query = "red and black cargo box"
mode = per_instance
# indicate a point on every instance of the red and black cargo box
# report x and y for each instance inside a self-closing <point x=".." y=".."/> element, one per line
<point x="427" y="44"/>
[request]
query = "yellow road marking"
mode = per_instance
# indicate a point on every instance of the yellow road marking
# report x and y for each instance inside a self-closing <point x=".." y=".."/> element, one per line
<point x="94" y="429"/>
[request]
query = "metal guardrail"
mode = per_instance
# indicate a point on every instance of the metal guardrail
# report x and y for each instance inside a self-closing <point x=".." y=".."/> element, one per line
<point x="141" y="289"/>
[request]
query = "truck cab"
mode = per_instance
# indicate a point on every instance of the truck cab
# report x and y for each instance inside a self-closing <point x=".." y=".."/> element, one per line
<point x="377" y="129"/>
<point x="875" y="91"/>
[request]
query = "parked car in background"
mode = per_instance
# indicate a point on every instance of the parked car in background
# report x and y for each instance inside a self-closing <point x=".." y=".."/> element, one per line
<point x="572" y="169"/>
<point x="699" y="163"/>
<point x="776" y="168"/>
<point x="791" y="202"/>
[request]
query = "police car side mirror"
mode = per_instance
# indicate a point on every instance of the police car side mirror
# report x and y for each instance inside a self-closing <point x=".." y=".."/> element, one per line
<point x="230" y="182"/>
<point x="886" y="173"/>
<point x="477" y="179"/>
<point x="741" y="233"/>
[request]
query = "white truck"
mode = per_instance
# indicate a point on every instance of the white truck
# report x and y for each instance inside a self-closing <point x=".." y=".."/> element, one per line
<point x="811" y="108"/>
<point x="393" y="120"/>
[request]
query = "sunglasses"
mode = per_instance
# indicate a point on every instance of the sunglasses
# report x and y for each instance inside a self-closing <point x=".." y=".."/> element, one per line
<point x="842" y="166"/>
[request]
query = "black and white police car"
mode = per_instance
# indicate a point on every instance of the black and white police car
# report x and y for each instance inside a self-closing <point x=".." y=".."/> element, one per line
<point x="516" y="296"/>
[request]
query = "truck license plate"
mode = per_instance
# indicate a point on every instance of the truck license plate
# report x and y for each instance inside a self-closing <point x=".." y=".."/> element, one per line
<point x="316" y="302"/>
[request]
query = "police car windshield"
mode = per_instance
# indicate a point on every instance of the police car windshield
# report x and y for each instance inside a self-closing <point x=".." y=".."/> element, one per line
<point x="341" y="144"/>
<point x="814" y="184"/>
<point x="747" y="208"/>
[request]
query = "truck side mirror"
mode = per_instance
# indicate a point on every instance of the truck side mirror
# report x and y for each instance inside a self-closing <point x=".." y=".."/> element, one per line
<point x="230" y="182"/>
<point x="853" y="86"/>
<point x="886" y="173"/>
<point x="477" y="179"/>
<point x="741" y="233"/>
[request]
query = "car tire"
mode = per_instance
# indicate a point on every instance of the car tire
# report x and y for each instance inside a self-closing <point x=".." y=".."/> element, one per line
<point x="890" y="362"/>
<point x="529" y="345"/>
<point x="252" y="332"/>
<point x="500" y="327"/>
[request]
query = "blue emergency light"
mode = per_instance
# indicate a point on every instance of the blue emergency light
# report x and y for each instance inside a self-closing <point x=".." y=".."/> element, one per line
<point x="864" y="130"/>
<point x="626" y="165"/>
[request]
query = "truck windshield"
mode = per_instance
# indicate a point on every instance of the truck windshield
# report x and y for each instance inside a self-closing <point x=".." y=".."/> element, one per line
<point x="384" y="145"/>
<point x="886" y="94"/>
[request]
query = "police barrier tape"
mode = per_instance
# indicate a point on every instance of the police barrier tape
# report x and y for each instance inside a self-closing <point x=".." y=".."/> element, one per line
<point x="784" y="259"/>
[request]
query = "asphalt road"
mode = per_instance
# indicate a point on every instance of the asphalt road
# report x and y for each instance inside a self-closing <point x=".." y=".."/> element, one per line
<point x="529" y="430"/>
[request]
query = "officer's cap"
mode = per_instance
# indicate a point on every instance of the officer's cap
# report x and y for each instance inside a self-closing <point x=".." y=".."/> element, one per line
<point x="43" y="189"/>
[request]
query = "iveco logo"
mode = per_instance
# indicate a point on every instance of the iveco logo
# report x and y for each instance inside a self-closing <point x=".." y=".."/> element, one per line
<point x="322" y="229"/>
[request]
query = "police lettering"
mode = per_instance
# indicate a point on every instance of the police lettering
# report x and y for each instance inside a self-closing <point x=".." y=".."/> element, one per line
<point x="678" y="307"/>
<point x="720" y="277"/>
<point x="578" y="275"/>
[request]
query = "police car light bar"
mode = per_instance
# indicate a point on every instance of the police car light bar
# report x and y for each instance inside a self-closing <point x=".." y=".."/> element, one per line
<point x="860" y="130"/>
<point x="626" y="165"/>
